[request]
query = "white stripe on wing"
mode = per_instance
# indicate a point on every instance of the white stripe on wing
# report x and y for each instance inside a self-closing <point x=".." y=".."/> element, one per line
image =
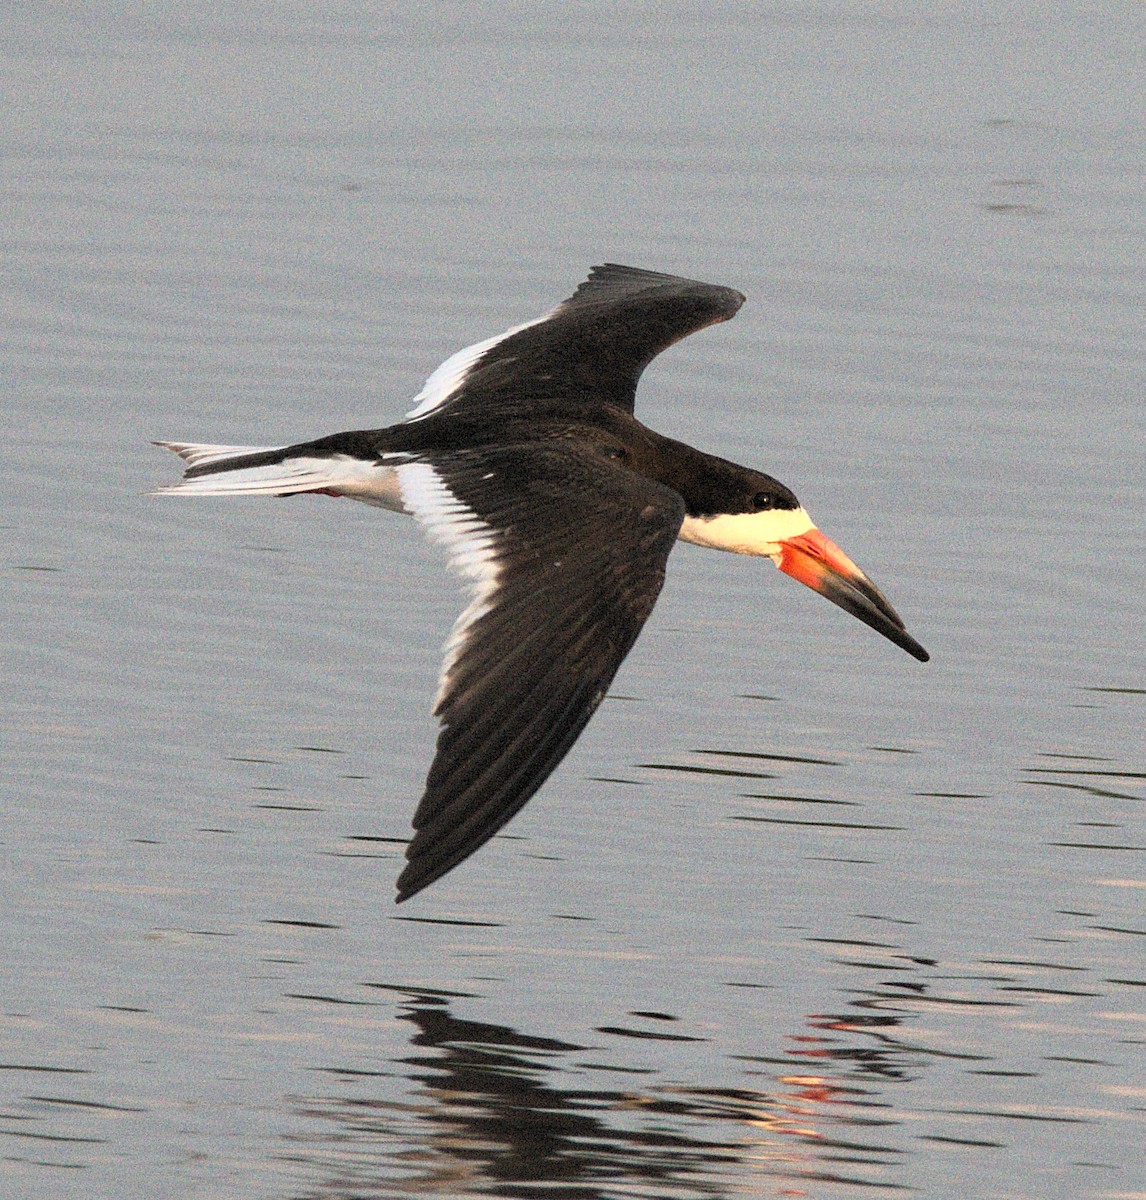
<point x="470" y="543"/>
<point x="451" y="375"/>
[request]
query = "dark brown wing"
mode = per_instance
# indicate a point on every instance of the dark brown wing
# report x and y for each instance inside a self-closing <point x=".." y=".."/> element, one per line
<point x="589" y="350"/>
<point x="567" y="553"/>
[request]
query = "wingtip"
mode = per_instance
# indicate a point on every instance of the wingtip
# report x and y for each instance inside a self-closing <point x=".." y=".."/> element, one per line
<point x="407" y="886"/>
<point x="613" y="282"/>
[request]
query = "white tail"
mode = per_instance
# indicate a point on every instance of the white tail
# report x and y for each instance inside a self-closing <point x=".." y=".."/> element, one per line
<point x="338" y="474"/>
<point x="201" y="454"/>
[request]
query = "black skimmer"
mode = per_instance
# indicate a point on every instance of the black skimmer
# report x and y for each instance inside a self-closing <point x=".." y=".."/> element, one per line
<point x="523" y="458"/>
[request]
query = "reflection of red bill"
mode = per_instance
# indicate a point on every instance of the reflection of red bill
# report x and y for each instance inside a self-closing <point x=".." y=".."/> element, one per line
<point x="818" y="563"/>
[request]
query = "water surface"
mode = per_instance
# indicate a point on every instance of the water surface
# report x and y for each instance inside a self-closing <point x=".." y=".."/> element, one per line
<point x="797" y="916"/>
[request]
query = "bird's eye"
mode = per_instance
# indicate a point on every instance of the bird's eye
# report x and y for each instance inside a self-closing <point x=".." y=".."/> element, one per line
<point x="761" y="501"/>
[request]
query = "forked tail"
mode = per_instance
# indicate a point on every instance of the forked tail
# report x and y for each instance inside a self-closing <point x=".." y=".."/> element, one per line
<point x="280" y="471"/>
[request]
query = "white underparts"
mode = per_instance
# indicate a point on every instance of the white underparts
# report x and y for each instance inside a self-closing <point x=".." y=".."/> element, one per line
<point x="757" y="533"/>
<point x="371" y="482"/>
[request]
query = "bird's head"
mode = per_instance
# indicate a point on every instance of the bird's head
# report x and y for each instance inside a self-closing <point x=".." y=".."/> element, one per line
<point x="768" y="521"/>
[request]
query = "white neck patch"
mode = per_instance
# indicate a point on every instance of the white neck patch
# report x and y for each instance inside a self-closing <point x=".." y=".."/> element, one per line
<point x="757" y="533"/>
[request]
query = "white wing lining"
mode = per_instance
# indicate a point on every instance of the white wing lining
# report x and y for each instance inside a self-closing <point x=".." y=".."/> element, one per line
<point x="469" y="542"/>
<point x="449" y="377"/>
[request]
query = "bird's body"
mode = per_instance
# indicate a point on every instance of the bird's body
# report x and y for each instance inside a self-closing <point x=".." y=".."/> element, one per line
<point x="523" y="457"/>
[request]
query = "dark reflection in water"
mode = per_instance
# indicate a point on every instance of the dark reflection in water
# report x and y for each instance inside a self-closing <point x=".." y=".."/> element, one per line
<point x="919" y="1057"/>
<point x="499" y="1112"/>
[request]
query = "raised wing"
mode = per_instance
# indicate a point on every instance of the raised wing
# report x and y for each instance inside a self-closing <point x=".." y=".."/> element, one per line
<point x="566" y="552"/>
<point x="589" y="350"/>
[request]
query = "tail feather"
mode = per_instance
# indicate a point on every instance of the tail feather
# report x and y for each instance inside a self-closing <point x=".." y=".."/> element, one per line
<point x="203" y="454"/>
<point x="279" y="471"/>
<point x="244" y="470"/>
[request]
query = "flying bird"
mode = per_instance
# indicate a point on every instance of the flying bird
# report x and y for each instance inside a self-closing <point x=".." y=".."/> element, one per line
<point x="523" y="458"/>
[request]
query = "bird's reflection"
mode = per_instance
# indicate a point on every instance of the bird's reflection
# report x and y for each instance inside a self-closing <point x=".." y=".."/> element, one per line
<point x="489" y="1110"/>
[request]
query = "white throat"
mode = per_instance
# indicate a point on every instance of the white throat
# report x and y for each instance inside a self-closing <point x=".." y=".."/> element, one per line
<point x="757" y="533"/>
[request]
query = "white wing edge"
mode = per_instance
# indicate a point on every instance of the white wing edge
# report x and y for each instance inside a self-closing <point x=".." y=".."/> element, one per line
<point x="470" y="543"/>
<point x="449" y="377"/>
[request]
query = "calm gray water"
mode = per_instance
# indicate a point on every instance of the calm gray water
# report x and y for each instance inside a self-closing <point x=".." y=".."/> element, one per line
<point x="798" y="916"/>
